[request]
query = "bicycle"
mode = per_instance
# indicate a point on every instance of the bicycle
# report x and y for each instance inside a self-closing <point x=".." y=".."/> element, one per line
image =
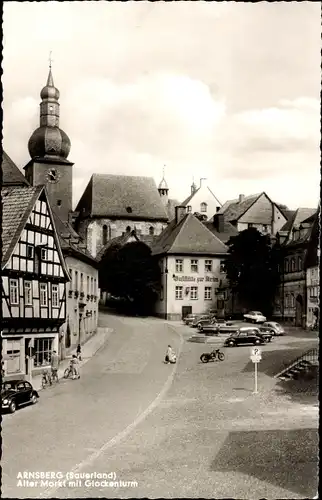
<point x="69" y="373"/>
<point x="46" y="379"/>
<point x="54" y="375"/>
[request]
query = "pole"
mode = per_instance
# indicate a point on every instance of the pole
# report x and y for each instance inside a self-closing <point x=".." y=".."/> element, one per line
<point x="255" y="391"/>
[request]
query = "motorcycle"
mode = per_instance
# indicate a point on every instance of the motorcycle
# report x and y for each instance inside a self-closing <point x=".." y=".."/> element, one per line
<point x="211" y="356"/>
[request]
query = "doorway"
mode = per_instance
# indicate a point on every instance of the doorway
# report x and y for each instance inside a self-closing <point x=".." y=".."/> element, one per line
<point x="185" y="311"/>
<point x="299" y="310"/>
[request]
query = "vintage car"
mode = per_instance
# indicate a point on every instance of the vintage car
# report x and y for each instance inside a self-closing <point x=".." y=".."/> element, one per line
<point x="206" y="320"/>
<point x="15" y="393"/>
<point x="246" y="336"/>
<point x="200" y="318"/>
<point x="209" y="327"/>
<point x="189" y="319"/>
<point x="255" y="317"/>
<point x="274" y="328"/>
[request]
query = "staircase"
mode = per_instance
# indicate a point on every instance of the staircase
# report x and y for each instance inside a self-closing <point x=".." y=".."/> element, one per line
<point x="304" y="365"/>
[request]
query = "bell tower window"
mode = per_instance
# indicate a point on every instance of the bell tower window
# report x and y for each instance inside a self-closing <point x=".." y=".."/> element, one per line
<point x="105" y="234"/>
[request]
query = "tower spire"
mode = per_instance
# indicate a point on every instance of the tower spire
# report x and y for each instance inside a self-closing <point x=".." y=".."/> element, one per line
<point x="50" y="80"/>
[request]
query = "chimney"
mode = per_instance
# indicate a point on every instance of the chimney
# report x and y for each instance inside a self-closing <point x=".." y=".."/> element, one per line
<point x="217" y="209"/>
<point x="219" y="222"/>
<point x="241" y="198"/>
<point x="180" y="213"/>
<point x="202" y="181"/>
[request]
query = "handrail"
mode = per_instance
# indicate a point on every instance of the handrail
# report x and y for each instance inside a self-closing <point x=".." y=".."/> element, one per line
<point x="308" y="355"/>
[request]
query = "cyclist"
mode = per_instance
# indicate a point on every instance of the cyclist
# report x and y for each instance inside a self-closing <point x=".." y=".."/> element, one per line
<point x="74" y="366"/>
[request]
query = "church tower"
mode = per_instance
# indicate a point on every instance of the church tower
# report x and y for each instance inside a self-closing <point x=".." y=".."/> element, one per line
<point x="49" y="147"/>
<point x="163" y="190"/>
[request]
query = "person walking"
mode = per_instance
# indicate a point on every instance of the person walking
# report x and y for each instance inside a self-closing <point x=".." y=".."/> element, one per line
<point x="79" y="352"/>
<point x="74" y="365"/>
<point x="54" y="363"/>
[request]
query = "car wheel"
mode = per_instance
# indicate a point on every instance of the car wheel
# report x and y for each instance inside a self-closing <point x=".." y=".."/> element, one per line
<point x="199" y="325"/>
<point x="257" y="342"/>
<point x="231" y="343"/>
<point x="33" y="399"/>
<point x="12" y="407"/>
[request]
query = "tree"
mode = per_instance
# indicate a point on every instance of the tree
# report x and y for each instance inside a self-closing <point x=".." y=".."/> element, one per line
<point x="131" y="273"/>
<point x="252" y="269"/>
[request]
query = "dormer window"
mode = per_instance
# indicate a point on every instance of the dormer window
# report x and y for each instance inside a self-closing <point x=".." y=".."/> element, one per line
<point x="203" y="207"/>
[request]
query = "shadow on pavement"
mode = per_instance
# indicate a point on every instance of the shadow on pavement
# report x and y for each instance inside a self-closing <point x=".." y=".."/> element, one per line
<point x="287" y="459"/>
<point x="303" y="390"/>
<point x="274" y="362"/>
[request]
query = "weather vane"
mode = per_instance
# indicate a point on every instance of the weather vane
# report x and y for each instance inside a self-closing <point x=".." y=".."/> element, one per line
<point x="50" y="59"/>
<point x="163" y="171"/>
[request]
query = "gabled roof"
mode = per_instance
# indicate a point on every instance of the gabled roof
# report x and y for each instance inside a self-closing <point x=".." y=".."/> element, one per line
<point x="71" y="242"/>
<point x="229" y="230"/>
<point x="234" y="209"/>
<point x="187" y="200"/>
<point x="122" y="196"/>
<point x="188" y="236"/>
<point x="11" y="175"/>
<point x="297" y="217"/>
<point x="17" y="204"/>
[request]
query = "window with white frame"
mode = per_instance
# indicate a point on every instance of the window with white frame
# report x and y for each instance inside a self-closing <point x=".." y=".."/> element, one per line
<point x="208" y="266"/>
<point x="194" y="293"/>
<point x="179" y="292"/>
<point x="194" y="265"/>
<point x="28" y="296"/>
<point x="203" y="207"/>
<point x="43" y="349"/>
<point x="87" y="285"/>
<point x="179" y="265"/>
<point x="30" y="252"/>
<point x="54" y="295"/>
<point x="14" y="295"/>
<point x="208" y="293"/>
<point x="43" y="294"/>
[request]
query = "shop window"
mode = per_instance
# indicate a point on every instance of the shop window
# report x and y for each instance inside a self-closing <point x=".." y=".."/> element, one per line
<point x="179" y="292"/>
<point x="28" y="296"/>
<point x="208" y="266"/>
<point x="151" y="230"/>
<point x="43" y="295"/>
<point x="203" y="207"/>
<point x="194" y="265"/>
<point x="208" y="293"/>
<point x="42" y="349"/>
<point x="14" y="296"/>
<point x="55" y="296"/>
<point x="13" y="354"/>
<point x="194" y="293"/>
<point x="179" y="265"/>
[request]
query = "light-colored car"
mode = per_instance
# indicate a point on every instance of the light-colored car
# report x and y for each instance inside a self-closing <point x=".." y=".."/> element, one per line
<point x="255" y="317"/>
<point x="274" y="327"/>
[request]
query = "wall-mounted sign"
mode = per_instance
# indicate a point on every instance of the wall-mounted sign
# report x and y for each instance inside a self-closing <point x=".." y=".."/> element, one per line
<point x="197" y="279"/>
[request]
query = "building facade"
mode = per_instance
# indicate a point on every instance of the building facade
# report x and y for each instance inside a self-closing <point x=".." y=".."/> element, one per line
<point x="191" y="259"/>
<point x="257" y="211"/>
<point x="201" y="200"/>
<point x="34" y="277"/>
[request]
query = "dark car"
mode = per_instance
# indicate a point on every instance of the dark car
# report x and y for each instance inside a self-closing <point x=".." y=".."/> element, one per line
<point x="209" y="327"/>
<point x="189" y="318"/>
<point x="275" y="328"/>
<point x="205" y="320"/>
<point x="245" y="336"/>
<point x="199" y="318"/>
<point x="265" y="332"/>
<point x="17" y="393"/>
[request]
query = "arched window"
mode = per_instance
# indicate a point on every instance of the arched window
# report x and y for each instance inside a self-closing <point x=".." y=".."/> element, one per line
<point x="105" y="235"/>
<point x="292" y="264"/>
<point x="203" y="207"/>
<point x="151" y="230"/>
<point x="286" y="265"/>
<point x="128" y="229"/>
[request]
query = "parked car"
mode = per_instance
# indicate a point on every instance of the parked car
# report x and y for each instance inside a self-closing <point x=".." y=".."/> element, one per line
<point x="255" y="317"/>
<point x="200" y="318"/>
<point x="15" y="393"/>
<point x="229" y="327"/>
<point x="242" y="337"/>
<point x="264" y="332"/>
<point x="209" y="328"/>
<point x="274" y="327"/>
<point x="205" y="321"/>
<point x="189" y="318"/>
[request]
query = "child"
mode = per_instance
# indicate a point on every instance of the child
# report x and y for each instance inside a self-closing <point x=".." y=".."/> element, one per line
<point x="170" y="356"/>
<point x="79" y="352"/>
<point x="74" y="367"/>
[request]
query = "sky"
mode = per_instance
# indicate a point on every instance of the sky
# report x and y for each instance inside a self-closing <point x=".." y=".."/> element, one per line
<point x="223" y="90"/>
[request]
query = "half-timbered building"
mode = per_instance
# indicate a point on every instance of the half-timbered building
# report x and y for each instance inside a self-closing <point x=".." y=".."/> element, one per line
<point x="33" y="283"/>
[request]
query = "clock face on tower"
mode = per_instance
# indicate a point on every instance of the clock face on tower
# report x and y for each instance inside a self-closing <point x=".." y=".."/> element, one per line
<point x="52" y="175"/>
